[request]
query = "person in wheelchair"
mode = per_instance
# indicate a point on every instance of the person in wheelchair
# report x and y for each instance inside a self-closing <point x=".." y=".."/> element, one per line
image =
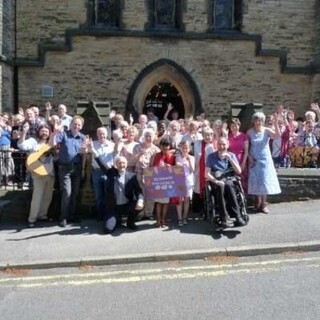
<point x="223" y="188"/>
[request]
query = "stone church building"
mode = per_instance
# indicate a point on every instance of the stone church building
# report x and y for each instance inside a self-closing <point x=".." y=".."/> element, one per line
<point x="200" y="55"/>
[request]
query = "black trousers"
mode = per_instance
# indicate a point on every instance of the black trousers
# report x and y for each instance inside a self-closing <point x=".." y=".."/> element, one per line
<point x="226" y="198"/>
<point x="118" y="211"/>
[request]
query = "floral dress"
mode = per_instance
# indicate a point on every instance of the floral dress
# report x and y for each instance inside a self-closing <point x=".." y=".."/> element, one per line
<point x="263" y="179"/>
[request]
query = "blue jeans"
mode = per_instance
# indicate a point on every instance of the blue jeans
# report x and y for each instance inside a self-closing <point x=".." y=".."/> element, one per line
<point x="98" y="184"/>
<point x="70" y="176"/>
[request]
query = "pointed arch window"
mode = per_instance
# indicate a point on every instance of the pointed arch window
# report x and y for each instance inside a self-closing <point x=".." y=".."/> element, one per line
<point x="104" y="13"/>
<point x="225" y="15"/>
<point x="164" y="15"/>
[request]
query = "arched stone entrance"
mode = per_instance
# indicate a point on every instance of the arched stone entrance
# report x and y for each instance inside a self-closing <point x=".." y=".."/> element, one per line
<point x="164" y="71"/>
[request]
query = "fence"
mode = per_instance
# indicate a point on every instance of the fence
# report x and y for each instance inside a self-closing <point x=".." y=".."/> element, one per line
<point x="13" y="173"/>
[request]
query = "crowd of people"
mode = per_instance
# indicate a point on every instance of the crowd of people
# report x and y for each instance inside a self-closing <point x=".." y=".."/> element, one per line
<point x="118" y="162"/>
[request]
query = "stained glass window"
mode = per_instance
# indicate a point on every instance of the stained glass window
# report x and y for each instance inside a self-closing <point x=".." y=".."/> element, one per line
<point x="223" y="14"/>
<point x="226" y="14"/>
<point x="165" y="13"/>
<point x="104" y="12"/>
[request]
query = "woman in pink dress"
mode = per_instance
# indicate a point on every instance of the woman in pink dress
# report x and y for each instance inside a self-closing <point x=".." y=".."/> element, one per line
<point x="239" y="145"/>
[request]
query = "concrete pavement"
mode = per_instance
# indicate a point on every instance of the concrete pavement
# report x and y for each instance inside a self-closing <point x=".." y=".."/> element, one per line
<point x="293" y="226"/>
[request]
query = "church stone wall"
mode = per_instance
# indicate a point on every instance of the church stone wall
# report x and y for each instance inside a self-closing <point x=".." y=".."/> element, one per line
<point x="224" y="71"/>
<point x="7" y="47"/>
<point x="285" y="24"/>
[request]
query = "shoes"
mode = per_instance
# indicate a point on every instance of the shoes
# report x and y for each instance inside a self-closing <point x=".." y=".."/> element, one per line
<point x="132" y="226"/>
<point x="240" y="222"/>
<point x="257" y="209"/>
<point x="106" y="230"/>
<point x="265" y="210"/>
<point x="180" y="223"/>
<point x="43" y="219"/>
<point x="185" y="221"/>
<point x="226" y="224"/>
<point x="31" y="225"/>
<point x="74" y="220"/>
<point x="63" y="223"/>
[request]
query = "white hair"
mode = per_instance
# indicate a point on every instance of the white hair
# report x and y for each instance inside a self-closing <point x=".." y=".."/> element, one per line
<point x="120" y="158"/>
<point x="153" y="125"/>
<point x="311" y="114"/>
<point x="259" y="115"/>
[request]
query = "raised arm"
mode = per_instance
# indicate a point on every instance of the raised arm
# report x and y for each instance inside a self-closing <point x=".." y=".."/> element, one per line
<point x="275" y="134"/>
<point x="169" y="108"/>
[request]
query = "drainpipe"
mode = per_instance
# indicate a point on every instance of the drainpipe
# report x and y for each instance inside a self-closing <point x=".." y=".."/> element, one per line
<point x="15" y="67"/>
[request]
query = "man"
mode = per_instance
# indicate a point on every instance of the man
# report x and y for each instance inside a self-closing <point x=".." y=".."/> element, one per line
<point x="123" y="195"/>
<point x="224" y="190"/>
<point x="37" y="116"/>
<point x="33" y="124"/>
<point x="71" y="164"/>
<point x="42" y="184"/>
<point x="64" y="117"/>
<point x="104" y="149"/>
<point x="171" y="113"/>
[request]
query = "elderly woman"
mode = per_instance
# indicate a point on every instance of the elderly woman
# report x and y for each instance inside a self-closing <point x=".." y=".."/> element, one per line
<point x="239" y="145"/>
<point x="263" y="178"/>
<point x="175" y="134"/>
<point x="144" y="152"/>
<point x="202" y="148"/>
<point x="127" y="146"/>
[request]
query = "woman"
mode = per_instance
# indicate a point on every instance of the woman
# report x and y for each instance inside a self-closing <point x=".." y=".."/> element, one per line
<point x="144" y="152"/>
<point x="239" y="145"/>
<point x="163" y="158"/>
<point x="127" y="148"/>
<point x="263" y="178"/>
<point x="202" y="148"/>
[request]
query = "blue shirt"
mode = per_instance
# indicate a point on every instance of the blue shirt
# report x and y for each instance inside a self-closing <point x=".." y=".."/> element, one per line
<point x="69" y="151"/>
<point x="5" y="138"/>
<point x="215" y="163"/>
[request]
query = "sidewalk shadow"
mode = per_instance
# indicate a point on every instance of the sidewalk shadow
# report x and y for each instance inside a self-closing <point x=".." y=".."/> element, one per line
<point x="201" y="226"/>
<point x="76" y="230"/>
<point x="88" y="227"/>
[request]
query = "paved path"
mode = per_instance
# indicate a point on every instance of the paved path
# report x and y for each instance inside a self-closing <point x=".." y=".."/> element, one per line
<point x="289" y="226"/>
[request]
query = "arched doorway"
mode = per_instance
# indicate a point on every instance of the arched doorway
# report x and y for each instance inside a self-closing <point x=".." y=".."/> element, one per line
<point x="160" y="96"/>
<point x="160" y="83"/>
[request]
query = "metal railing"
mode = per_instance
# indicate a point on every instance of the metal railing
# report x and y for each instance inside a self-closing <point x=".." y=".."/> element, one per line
<point x="13" y="172"/>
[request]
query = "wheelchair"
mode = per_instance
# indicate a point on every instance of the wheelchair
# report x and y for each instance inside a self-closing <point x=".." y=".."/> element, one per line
<point x="211" y="208"/>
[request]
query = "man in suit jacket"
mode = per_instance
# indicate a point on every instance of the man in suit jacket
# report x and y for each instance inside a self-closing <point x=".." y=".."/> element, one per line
<point x="123" y="195"/>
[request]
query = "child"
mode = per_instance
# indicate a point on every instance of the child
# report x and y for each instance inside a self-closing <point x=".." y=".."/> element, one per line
<point x="187" y="161"/>
<point x="165" y="157"/>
